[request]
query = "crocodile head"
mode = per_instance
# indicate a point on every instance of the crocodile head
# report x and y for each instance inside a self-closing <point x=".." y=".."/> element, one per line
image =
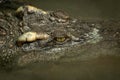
<point x="65" y="37"/>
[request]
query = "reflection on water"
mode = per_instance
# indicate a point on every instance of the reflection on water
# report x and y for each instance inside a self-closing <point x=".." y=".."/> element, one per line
<point x="100" y="68"/>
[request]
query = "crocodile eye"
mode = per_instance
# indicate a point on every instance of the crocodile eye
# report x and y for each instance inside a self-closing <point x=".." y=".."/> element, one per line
<point x="60" y="39"/>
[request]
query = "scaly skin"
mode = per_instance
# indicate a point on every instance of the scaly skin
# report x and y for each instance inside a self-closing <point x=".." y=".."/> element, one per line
<point x="11" y="55"/>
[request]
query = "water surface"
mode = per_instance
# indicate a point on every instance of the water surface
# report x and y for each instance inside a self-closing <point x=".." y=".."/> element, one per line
<point x="101" y="62"/>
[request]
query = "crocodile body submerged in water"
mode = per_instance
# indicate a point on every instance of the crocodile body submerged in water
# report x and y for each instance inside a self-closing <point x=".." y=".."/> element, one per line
<point x="32" y="35"/>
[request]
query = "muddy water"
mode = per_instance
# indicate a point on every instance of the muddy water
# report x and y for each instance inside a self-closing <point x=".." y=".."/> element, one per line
<point x="103" y="68"/>
<point x="99" y="62"/>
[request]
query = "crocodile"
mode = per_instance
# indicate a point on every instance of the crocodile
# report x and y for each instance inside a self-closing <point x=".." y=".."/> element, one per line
<point x="67" y="36"/>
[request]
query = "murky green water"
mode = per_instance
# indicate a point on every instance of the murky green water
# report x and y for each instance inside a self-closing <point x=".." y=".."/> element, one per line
<point x="102" y="64"/>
